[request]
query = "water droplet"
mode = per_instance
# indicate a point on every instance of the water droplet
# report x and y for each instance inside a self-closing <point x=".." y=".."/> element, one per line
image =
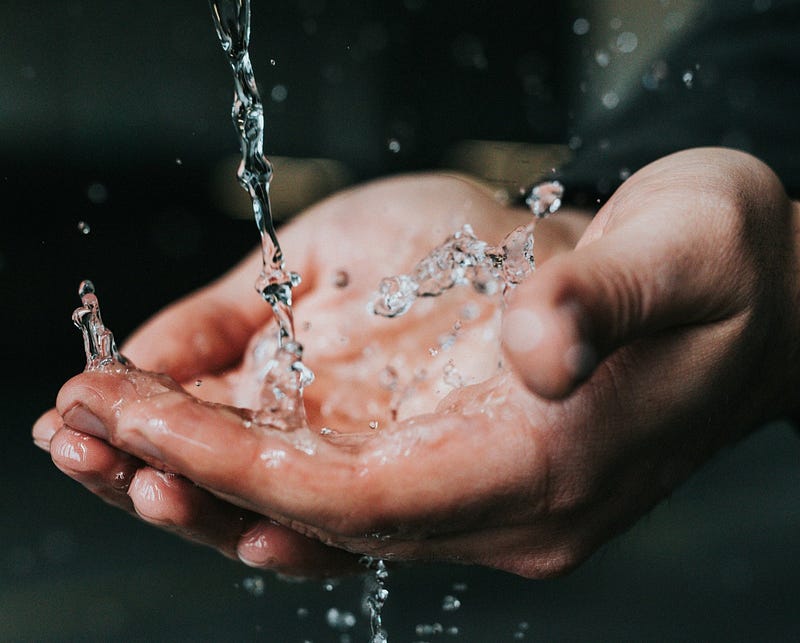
<point x="254" y="585"/>
<point x="341" y="279"/>
<point x="97" y="193"/>
<point x="302" y="612"/>
<point x="452" y="376"/>
<point x="373" y="424"/>
<point x="615" y="23"/>
<point x="545" y="199"/>
<point x="198" y="383"/>
<point x="447" y="341"/>
<point x="688" y="79"/>
<point x="451" y="631"/>
<point x="273" y="458"/>
<point x="340" y="620"/>
<point x="388" y="378"/>
<point x="178" y="161"/>
<point x="602" y="57"/>
<point x="279" y="93"/>
<point x="395" y="296"/>
<point x="394" y="145"/>
<point x="624" y="174"/>
<point x="627" y="42"/>
<point x="84" y="227"/>
<point x="580" y="27"/>
<point x="428" y="629"/>
<point x="273" y="62"/>
<point x="610" y="100"/>
<point x="460" y="587"/>
<point x="450" y="603"/>
<point x="575" y="142"/>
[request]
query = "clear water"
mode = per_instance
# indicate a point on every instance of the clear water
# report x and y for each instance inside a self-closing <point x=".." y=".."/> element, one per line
<point x="465" y="259"/>
<point x="281" y="404"/>
<point x="98" y="341"/>
<point x="375" y="595"/>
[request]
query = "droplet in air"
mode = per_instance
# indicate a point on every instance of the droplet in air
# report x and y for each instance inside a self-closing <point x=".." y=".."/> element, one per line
<point x="580" y="27"/>
<point x="428" y="629"/>
<point x="450" y="603"/>
<point x="394" y="145"/>
<point x="610" y="100"/>
<point x="97" y="193"/>
<point x="178" y="161"/>
<point x="627" y="42"/>
<point x="279" y="93"/>
<point x="340" y="620"/>
<point x="273" y="62"/>
<point x="254" y="585"/>
<point x="302" y="612"/>
<point x="688" y="79"/>
<point x="84" y="227"/>
<point x="545" y="199"/>
<point x="602" y="57"/>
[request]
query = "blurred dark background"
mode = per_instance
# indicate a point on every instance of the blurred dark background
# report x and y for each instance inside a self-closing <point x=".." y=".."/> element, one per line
<point x="114" y="118"/>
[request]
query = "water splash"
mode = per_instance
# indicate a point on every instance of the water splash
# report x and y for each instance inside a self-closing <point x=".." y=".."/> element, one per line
<point x="283" y="382"/>
<point x="465" y="259"/>
<point x="375" y="595"/>
<point x="98" y="341"/>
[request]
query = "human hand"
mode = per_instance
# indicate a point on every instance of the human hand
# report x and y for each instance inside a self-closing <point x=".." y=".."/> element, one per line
<point x="203" y="339"/>
<point x="683" y="299"/>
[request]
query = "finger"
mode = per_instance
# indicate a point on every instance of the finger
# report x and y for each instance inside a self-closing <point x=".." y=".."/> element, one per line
<point x="270" y="545"/>
<point x="104" y="470"/>
<point x="178" y="505"/>
<point x="648" y="274"/>
<point x="391" y="483"/>
<point x="45" y="428"/>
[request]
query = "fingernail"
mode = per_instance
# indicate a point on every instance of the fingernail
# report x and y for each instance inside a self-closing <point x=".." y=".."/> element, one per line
<point x="42" y="434"/>
<point x="82" y="419"/>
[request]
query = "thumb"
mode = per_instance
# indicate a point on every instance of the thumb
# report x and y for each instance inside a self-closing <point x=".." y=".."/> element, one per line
<point x="642" y="277"/>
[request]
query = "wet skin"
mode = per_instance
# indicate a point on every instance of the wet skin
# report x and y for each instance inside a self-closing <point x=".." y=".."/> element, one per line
<point x="668" y="332"/>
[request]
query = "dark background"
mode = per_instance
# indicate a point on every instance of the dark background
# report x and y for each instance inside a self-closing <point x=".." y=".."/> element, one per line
<point x="116" y="114"/>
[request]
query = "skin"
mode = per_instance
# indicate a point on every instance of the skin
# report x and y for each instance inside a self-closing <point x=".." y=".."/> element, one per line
<point x="650" y="336"/>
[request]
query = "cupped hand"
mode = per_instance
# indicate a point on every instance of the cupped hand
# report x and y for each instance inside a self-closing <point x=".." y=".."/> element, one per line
<point x="666" y="334"/>
<point x="370" y="371"/>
